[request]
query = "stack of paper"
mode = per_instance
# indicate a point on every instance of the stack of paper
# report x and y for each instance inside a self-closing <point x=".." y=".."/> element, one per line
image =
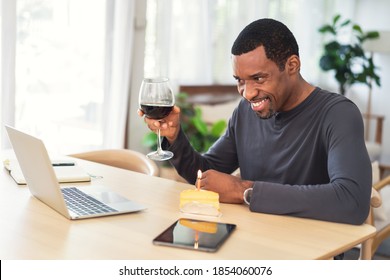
<point x="66" y="171"/>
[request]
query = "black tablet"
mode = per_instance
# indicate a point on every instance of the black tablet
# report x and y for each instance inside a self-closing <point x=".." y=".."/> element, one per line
<point x="195" y="234"/>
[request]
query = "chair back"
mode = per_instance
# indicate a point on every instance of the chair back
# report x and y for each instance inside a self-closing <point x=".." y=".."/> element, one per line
<point x="373" y="133"/>
<point x="379" y="219"/>
<point x="122" y="158"/>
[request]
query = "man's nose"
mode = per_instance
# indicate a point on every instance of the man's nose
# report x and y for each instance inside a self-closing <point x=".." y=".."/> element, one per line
<point x="250" y="90"/>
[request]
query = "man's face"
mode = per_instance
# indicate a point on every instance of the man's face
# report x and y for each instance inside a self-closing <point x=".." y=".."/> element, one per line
<point x="260" y="82"/>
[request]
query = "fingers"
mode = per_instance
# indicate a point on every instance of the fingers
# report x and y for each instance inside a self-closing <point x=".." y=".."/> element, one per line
<point x="203" y="181"/>
<point x="169" y="126"/>
<point x="154" y="125"/>
<point x="176" y="110"/>
<point x="140" y="112"/>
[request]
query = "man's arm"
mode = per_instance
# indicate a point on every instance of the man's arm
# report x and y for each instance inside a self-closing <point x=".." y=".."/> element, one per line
<point x="187" y="161"/>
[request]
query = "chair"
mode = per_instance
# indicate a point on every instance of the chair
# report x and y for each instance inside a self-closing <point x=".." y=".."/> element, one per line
<point x="379" y="216"/>
<point x="122" y="158"/>
<point x="378" y="129"/>
<point x="373" y="137"/>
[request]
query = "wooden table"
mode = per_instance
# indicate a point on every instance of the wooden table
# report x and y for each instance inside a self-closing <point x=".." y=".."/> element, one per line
<point x="31" y="230"/>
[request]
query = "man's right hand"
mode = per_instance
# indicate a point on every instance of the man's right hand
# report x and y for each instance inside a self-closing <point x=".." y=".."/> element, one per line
<point x="169" y="126"/>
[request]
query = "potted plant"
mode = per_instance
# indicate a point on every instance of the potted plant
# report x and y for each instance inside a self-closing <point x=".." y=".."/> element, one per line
<point x="348" y="58"/>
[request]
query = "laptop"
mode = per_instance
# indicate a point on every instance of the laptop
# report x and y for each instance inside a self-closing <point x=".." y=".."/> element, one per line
<point x="72" y="202"/>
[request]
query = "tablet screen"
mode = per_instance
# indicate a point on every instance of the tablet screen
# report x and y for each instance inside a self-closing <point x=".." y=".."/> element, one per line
<point x="195" y="235"/>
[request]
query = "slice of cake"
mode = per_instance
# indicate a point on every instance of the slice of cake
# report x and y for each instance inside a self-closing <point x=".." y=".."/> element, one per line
<point x="202" y="202"/>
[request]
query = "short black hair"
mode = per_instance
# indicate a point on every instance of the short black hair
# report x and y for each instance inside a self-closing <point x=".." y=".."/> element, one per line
<point x="278" y="41"/>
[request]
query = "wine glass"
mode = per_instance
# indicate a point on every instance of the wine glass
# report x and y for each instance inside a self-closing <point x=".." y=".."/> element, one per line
<point x="156" y="101"/>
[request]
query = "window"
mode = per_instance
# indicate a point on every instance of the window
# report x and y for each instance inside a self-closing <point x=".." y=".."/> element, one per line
<point x="59" y="76"/>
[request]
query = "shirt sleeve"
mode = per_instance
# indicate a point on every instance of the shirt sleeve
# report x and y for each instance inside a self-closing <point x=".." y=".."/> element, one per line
<point x="221" y="156"/>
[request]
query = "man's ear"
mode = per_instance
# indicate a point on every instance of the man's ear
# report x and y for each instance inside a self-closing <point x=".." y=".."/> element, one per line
<point x="293" y="64"/>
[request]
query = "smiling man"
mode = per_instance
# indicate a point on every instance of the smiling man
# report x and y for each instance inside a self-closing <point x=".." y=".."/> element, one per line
<point x="300" y="149"/>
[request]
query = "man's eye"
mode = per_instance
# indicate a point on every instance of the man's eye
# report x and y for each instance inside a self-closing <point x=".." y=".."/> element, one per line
<point x="240" y="81"/>
<point x="259" y="79"/>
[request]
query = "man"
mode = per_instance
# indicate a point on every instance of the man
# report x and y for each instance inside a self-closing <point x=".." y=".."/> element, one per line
<point x="300" y="149"/>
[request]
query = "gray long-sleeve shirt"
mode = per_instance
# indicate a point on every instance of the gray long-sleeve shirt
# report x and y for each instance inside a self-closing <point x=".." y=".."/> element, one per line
<point x="308" y="162"/>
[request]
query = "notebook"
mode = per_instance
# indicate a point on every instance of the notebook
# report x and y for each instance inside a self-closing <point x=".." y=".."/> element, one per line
<point x="71" y="202"/>
<point x="66" y="171"/>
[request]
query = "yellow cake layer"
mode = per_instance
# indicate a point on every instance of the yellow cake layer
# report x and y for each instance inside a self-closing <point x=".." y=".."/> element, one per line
<point x="199" y="196"/>
<point x="200" y="226"/>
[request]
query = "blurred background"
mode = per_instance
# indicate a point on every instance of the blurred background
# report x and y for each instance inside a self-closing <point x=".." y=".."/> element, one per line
<point x="71" y="69"/>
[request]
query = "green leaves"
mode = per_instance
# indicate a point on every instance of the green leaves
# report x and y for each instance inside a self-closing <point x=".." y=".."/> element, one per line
<point x="150" y="140"/>
<point x="198" y="123"/>
<point x="202" y="135"/>
<point x="348" y="60"/>
<point x="335" y="26"/>
<point x="327" y="28"/>
<point x="218" y="128"/>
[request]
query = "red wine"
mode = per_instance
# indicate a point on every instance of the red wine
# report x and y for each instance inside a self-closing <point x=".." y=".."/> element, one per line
<point x="156" y="111"/>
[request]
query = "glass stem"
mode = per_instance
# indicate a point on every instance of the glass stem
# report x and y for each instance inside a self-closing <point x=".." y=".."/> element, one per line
<point x="159" y="150"/>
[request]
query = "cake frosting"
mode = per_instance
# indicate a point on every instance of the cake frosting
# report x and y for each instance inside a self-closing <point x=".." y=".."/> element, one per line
<point x="202" y="202"/>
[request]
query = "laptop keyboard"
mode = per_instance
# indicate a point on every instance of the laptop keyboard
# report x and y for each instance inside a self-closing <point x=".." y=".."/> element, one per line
<point x="83" y="204"/>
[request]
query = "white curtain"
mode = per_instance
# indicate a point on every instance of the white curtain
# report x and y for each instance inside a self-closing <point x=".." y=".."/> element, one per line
<point x="118" y="59"/>
<point x="190" y="41"/>
<point x="7" y="96"/>
<point x="120" y="33"/>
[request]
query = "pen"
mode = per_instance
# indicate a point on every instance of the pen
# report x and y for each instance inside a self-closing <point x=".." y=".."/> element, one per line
<point x="63" y="164"/>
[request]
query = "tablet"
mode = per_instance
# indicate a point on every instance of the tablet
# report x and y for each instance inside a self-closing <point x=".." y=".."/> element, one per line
<point x="195" y="234"/>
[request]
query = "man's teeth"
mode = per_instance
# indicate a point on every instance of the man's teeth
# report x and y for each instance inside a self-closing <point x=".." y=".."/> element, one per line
<point x="259" y="103"/>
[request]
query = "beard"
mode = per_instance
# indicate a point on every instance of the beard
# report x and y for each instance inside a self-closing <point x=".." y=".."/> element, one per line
<point x="266" y="114"/>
